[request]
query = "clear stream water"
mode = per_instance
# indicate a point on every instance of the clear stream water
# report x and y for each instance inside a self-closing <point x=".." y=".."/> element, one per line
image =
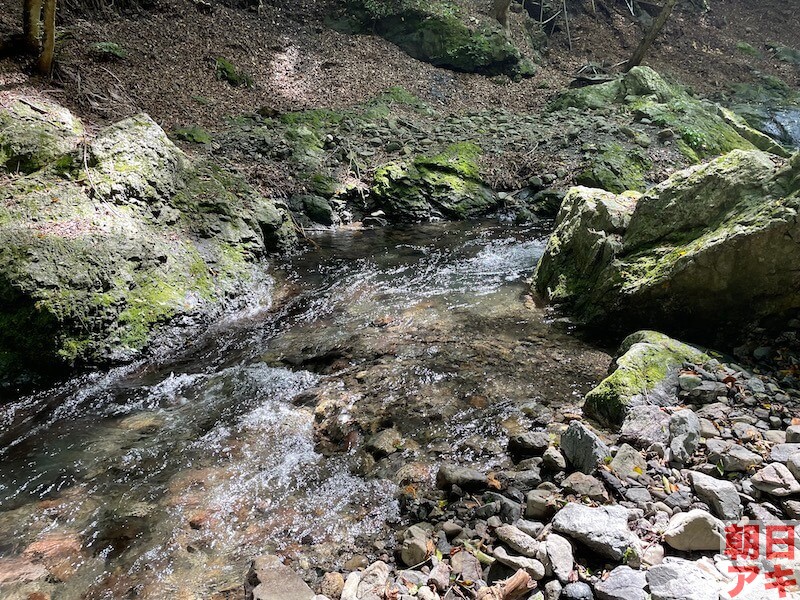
<point x="162" y="479"/>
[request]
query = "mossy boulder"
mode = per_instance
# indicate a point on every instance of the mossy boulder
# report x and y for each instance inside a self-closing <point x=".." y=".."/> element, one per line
<point x="700" y="130"/>
<point x="101" y="249"/>
<point x="446" y="185"/>
<point x="616" y="169"/>
<point x="441" y="33"/>
<point x="639" y="82"/>
<point x="644" y="372"/>
<point x="712" y="247"/>
<point x="34" y="133"/>
<point x="587" y="236"/>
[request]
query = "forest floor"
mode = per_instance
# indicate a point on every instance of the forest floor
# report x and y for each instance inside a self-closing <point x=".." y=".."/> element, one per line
<point x="297" y="62"/>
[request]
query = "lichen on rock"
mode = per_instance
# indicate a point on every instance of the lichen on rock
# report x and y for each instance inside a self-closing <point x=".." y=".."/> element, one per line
<point x="447" y="184"/>
<point x="712" y="244"/>
<point x="34" y="133"/>
<point x="700" y="130"/>
<point x="103" y="246"/>
<point x="437" y="32"/>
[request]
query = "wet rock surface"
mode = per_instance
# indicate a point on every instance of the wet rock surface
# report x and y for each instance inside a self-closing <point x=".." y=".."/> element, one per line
<point x="657" y="530"/>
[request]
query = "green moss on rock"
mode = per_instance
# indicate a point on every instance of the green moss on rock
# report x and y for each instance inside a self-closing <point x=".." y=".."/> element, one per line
<point x="616" y="169"/>
<point x="97" y="257"/>
<point x="36" y="133"/>
<point x="437" y="32"/>
<point x="701" y="131"/>
<point x="447" y="184"/>
<point x="645" y="372"/>
<point x="710" y="246"/>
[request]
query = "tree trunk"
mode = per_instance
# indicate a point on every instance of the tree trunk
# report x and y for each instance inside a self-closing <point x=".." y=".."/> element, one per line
<point x="650" y="36"/>
<point x="31" y="15"/>
<point x="49" y="44"/>
<point x="500" y="12"/>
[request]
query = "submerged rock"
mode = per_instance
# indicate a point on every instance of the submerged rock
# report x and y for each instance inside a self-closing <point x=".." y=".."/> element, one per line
<point x="710" y="246"/>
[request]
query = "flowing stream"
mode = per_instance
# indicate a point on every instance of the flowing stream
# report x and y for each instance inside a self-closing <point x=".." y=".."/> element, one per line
<point x="163" y="479"/>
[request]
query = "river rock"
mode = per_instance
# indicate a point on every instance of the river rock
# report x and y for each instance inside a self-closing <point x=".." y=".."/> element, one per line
<point x="673" y="256"/>
<point x="20" y="570"/>
<point x="532" y="566"/>
<point x="466" y="566"/>
<point x="560" y="556"/>
<point x="628" y="462"/>
<point x="604" y="529"/>
<point x="582" y="447"/>
<point x="793" y="434"/>
<point x="384" y="442"/>
<point x="793" y="464"/>
<point x="429" y="187"/>
<point x="332" y="585"/>
<point x="577" y="590"/>
<point x="583" y="485"/>
<point x="681" y="580"/>
<point x="695" y="530"/>
<point x="720" y="495"/>
<point x="541" y="504"/>
<point x="517" y="540"/>
<point x="684" y="429"/>
<point x="270" y="579"/>
<point x="777" y="480"/>
<point x="439" y="577"/>
<point x="552" y="590"/>
<point x="350" y="590"/>
<point x="114" y="263"/>
<point x="530" y="443"/>
<point x="373" y="581"/>
<point x="416" y="546"/>
<point x="644" y="372"/>
<point x="623" y="583"/>
<point x="781" y="452"/>
<point x="465" y="478"/>
<point x="644" y="426"/>
<point x="553" y="460"/>
<point x="731" y="456"/>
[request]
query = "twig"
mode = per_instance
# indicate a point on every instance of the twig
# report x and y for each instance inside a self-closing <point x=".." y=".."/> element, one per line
<point x="566" y="22"/>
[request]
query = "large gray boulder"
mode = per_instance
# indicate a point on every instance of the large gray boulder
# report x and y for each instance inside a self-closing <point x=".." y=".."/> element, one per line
<point x="712" y="245"/>
<point x="103" y="246"/>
